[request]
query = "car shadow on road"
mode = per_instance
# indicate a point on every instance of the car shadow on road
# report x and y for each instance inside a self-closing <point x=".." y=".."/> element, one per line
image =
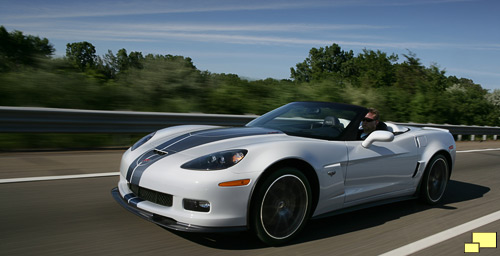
<point x="457" y="191"/>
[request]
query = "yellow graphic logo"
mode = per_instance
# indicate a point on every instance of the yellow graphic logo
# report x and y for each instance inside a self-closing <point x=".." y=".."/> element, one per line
<point x="481" y="240"/>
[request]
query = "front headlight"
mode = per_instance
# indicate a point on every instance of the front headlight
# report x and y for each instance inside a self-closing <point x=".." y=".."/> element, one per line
<point x="143" y="140"/>
<point x="216" y="161"/>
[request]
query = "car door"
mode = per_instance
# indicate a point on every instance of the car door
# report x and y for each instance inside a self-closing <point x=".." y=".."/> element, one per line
<point x="382" y="170"/>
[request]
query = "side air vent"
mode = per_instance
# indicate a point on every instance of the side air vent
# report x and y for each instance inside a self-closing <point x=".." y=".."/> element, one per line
<point x="416" y="170"/>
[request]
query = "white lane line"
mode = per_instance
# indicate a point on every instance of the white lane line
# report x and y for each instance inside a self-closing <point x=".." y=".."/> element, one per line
<point x="450" y="233"/>
<point x="478" y="150"/>
<point x="443" y="236"/>
<point x="61" y="177"/>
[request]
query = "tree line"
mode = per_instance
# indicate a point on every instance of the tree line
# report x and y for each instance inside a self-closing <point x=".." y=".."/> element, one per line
<point x="402" y="88"/>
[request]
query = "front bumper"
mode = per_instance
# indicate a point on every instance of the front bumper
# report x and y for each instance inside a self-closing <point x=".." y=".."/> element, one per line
<point x="168" y="222"/>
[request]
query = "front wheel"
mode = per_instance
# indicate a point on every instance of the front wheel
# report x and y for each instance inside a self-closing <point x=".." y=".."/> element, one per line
<point x="281" y="206"/>
<point x="435" y="180"/>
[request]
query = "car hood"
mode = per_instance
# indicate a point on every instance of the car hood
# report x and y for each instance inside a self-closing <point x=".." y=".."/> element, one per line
<point x="187" y="141"/>
<point x="194" y="139"/>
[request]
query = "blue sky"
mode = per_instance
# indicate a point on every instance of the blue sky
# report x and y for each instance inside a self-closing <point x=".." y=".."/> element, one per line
<point x="260" y="39"/>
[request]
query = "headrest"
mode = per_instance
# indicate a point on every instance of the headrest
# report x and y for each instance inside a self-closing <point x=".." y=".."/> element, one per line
<point x="331" y="121"/>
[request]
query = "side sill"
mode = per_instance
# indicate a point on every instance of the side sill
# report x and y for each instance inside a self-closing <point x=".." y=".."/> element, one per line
<point x="364" y="206"/>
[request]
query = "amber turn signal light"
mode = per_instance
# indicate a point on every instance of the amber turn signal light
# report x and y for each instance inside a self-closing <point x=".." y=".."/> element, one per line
<point x="235" y="183"/>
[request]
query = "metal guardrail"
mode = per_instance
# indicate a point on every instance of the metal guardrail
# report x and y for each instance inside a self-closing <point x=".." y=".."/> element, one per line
<point x="52" y="120"/>
<point x="460" y="130"/>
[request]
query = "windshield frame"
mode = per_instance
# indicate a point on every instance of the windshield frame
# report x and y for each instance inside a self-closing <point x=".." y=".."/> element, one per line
<point x="348" y="133"/>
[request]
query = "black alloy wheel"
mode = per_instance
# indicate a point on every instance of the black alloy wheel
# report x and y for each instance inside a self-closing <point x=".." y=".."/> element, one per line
<point x="282" y="206"/>
<point x="435" y="180"/>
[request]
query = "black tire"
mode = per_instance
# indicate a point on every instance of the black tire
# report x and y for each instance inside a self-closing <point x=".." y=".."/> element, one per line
<point x="281" y="206"/>
<point x="435" y="180"/>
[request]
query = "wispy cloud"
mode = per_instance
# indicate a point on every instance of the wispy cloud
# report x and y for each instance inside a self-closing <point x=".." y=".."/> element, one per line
<point x="250" y="34"/>
<point x="253" y="27"/>
<point x="197" y="27"/>
<point x="191" y="29"/>
<point x="470" y="72"/>
<point x="149" y="7"/>
<point x="97" y="8"/>
<point x="408" y="2"/>
<point x="244" y="33"/>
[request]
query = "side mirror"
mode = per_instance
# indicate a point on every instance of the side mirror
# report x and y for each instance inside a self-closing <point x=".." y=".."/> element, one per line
<point x="382" y="136"/>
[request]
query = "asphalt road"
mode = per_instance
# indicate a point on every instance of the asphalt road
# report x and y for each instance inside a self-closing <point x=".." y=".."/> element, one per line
<point x="79" y="216"/>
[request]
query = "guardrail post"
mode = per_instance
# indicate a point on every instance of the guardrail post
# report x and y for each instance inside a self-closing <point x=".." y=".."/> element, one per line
<point x="459" y="137"/>
<point x="494" y="137"/>
<point x="484" y="137"/>
<point x="472" y="137"/>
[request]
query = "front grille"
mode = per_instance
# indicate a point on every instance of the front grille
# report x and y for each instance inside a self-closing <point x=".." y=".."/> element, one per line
<point x="151" y="195"/>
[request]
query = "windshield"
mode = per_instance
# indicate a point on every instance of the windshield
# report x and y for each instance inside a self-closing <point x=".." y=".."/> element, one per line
<point x="321" y="120"/>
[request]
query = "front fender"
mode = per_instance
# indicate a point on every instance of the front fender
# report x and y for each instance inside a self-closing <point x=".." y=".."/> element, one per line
<point x="327" y="159"/>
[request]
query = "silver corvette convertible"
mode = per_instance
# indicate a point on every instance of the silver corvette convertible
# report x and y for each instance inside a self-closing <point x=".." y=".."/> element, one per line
<point x="303" y="160"/>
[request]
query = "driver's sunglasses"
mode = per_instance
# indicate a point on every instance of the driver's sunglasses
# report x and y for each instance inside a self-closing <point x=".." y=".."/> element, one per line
<point x="368" y="120"/>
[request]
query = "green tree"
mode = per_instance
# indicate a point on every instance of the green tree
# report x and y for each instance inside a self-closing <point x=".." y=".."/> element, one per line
<point x="410" y="75"/>
<point x="17" y="49"/>
<point x="82" y="55"/>
<point x="110" y="65"/>
<point x="371" y="69"/>
<point x="228" y="95"/>
<point x="321" y="63"/>
<point x="468" y="103"/>
<point x="164" y="83"/>
<point x="267" y="94"/>
<point x="494" y="97"/>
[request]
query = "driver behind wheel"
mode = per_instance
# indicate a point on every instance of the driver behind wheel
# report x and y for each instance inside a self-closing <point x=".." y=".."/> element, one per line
<point x="370" y="123"/>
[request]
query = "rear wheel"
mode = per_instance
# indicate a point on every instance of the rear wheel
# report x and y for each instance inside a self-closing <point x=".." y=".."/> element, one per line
<point x="435" y="180"/>
<point x="281" y="206"/>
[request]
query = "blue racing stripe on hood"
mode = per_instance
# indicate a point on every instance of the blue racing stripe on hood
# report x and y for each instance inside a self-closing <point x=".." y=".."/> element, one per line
<point x="151" y="156"/>
<point x="187" y="141"/>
